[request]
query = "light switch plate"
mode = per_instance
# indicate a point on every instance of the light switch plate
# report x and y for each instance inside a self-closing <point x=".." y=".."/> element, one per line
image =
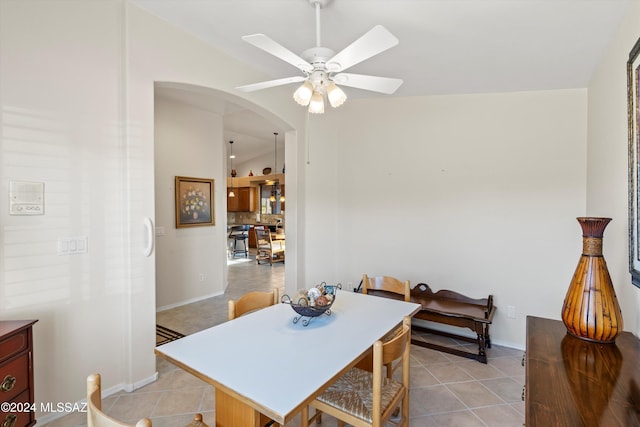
<point x="73" y="245"/>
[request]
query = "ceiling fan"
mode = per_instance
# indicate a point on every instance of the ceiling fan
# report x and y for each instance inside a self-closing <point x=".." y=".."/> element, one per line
<point x="322" y="69"/>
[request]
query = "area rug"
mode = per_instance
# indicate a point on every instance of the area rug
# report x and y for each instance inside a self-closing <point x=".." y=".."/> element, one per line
<point x="165" y="335"/>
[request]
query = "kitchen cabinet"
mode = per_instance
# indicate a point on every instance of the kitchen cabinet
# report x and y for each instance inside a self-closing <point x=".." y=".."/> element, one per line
<point x="232" y="202"/>
<point x="244" y="201"/>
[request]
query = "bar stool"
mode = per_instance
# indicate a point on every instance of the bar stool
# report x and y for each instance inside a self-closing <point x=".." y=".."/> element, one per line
<point x="240" y="233"/>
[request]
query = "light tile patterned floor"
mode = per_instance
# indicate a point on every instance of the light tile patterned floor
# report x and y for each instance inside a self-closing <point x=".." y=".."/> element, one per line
<point x="446" y="390"/>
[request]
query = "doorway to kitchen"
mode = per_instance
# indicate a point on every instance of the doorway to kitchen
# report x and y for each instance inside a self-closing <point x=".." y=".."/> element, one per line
<point x="191" y="264"/>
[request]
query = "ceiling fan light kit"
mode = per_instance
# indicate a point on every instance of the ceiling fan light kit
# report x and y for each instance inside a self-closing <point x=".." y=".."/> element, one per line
<point x="335" y="95"/>
<point x="322" y="68"/>
<point x="302" y="95"/>
<point x="316" y="106"/>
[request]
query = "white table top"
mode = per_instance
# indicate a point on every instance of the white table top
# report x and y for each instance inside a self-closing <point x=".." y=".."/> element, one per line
<point x="274" y="365"/>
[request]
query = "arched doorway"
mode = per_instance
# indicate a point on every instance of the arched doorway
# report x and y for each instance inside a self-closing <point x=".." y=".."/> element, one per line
<point x="191" y="264"/>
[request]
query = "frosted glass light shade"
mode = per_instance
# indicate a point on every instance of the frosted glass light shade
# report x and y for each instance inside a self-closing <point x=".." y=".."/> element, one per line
<point x="336" y="95"/>
<point x="316" y="106"/>
<point x="232" y="194"/>
<point x="302" y="95"/>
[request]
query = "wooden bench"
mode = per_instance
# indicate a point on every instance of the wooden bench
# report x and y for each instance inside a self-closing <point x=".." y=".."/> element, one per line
<point x="454" y="309"/>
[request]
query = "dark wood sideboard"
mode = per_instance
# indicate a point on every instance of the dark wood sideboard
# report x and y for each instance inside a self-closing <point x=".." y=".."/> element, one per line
<point x="16" y="373"/>
<point x="573" y="382"/>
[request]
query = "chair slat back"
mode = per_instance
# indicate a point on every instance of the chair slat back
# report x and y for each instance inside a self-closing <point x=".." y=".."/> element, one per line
<point x="95" y="416"/>
<point x="263" y="237"/>
<point x="252" y="301"/>
<point x="396" y="346"/>
<point x="387" y="284"/>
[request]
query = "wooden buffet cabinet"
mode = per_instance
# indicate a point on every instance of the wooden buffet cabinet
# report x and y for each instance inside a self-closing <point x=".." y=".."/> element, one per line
<point x="16" y="373"/>
<point x="573" y="382"/>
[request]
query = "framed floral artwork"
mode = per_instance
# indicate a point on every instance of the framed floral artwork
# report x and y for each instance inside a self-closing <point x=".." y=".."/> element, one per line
<point x="194" y="202"/>
<point x="633" y="101"/>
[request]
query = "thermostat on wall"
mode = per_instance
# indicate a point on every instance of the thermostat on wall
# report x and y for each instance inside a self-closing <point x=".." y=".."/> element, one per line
<point x="26" y="198"/>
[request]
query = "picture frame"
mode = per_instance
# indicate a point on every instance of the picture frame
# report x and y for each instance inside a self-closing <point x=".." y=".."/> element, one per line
<point x="633" y="113"/>
<point x="194" y="202"/>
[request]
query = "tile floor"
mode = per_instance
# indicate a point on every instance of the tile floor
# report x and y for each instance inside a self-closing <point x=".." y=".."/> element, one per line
<point x="446" y="390"/>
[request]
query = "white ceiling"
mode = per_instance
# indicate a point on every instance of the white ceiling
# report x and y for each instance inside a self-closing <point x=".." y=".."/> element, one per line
<point x="446" y="46"/>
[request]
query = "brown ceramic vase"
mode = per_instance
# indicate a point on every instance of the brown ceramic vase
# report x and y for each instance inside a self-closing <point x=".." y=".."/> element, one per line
<point x="591" y="310"/>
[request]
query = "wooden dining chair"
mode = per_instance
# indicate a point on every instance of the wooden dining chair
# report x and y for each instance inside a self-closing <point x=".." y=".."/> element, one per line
<point x="97" y="418"/>
<point x="249" y="302"/>
<point x="391" y="286"/>
<point x="252" y="301"/>
<point x="268" y="250"/>
<point x="363" y="398"/>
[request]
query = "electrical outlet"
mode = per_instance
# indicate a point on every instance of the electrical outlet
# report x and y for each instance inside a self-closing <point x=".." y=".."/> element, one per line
<point x="349" y="286"/>
<point x="511" y="312"/>
<point x="201" y="277"/>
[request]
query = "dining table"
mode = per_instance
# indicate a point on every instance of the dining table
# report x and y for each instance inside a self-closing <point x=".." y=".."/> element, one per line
<point x="264" y="366"/>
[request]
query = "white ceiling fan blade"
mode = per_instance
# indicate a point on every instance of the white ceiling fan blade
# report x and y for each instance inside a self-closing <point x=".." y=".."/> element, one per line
<point x="376" y="40"/>
<point x="377" y="84"/>
<point x="270" y="83"/>
<point x="276" y="49"/>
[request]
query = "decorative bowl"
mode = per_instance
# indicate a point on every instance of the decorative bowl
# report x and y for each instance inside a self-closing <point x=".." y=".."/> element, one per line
<point x="266" y="171"/>
<point x="307" y="311"/>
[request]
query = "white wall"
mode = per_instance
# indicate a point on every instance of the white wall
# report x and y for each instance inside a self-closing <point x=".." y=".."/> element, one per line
<point x="258" y="163"/>
<point x="188" y="142"/>
<point x="607" y="161"/>
<point x="77" y="101"/>
<point x="473" y="193"/>
<point x="63" y="123"/>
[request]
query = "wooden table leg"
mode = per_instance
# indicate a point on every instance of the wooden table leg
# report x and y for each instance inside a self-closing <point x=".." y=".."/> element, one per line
<point x="230" y="412"/>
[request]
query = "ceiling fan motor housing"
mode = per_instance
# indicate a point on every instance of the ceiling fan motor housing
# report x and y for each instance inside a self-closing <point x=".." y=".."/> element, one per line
<point x="319" y="79"/>
<point x="318" y="56"/>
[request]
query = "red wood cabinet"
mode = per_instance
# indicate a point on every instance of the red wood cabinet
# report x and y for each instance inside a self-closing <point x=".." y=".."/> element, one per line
<point x="16" y="373"/>
<point x="573" y="382"/>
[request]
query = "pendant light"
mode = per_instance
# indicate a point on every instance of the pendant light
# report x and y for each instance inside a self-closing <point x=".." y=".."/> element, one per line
<point x="274" y="187"/>
<point x="231" y="156"/>
<point x="278" y="189"/>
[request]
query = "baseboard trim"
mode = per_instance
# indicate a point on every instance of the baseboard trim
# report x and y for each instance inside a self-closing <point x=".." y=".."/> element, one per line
<point x="189" y="301"/>
<point x="81" y="404"/>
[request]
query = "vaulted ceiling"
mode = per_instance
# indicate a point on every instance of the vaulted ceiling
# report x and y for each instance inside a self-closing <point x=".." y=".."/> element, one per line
<point x="446" y="46"/>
